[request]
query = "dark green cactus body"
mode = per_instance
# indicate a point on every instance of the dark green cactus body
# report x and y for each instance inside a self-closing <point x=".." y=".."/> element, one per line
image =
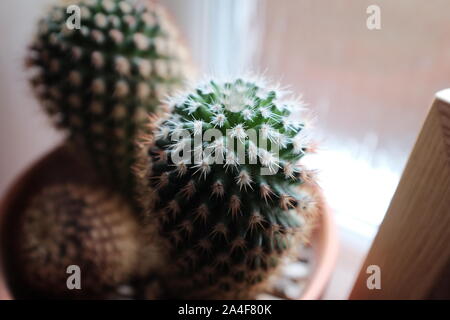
<point x="100" y="81"/>
<point x="227" y="222"/>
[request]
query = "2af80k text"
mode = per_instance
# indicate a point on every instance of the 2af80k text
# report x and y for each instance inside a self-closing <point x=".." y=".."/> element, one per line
<point x="231" y="309"/>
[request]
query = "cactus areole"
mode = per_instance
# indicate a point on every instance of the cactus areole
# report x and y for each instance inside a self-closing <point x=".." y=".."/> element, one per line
<point x="225" y="184"/>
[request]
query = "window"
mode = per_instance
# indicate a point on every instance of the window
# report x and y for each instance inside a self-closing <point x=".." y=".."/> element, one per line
<point x="370" y="89"/>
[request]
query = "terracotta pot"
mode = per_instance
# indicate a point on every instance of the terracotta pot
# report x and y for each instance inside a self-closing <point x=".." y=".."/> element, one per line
<point x="59" y="165"/>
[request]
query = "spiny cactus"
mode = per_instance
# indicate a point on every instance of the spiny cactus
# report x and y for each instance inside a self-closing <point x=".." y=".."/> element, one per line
<point x="222" y="178"/>
<point x="101" y="80"/>
<point x="77" y="225"/>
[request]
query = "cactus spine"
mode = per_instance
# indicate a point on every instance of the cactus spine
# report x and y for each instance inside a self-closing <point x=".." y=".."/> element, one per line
<point x="100" y="81"/>
<point x="222" y="178"/>
<point x="77" y="225"/>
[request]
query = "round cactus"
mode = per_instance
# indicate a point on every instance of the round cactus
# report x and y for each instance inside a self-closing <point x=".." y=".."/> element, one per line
<point x="101" y="80"/>
<point x="223" y="179"/>
<point x="77" y="225"/>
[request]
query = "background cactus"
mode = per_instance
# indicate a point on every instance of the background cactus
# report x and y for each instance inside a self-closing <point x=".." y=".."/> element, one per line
<point x="226" y="222"/>
<point x="71" y="224"/>
<point x="101" y="81"/>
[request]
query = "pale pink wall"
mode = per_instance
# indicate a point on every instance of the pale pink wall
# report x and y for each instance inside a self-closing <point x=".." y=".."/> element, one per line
<point x="24" y="131"/>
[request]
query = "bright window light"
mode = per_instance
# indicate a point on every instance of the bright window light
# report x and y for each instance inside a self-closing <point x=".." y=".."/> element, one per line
<point x="357" y="191"/>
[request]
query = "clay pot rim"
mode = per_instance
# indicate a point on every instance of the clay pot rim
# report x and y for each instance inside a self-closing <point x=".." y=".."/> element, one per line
<point x="325" y="241"/>
<point x="326" y="247"/>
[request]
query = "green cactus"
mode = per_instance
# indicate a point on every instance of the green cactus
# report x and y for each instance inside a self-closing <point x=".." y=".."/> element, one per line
<point x="222" y="178"/>
<point x="71" y="224"/>
<point x="100" y="81"/>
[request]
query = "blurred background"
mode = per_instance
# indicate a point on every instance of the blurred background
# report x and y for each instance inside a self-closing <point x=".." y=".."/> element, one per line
<point x="369" y="89"/>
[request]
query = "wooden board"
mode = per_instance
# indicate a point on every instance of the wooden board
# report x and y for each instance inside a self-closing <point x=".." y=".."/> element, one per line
<point x="412" y="247"/>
